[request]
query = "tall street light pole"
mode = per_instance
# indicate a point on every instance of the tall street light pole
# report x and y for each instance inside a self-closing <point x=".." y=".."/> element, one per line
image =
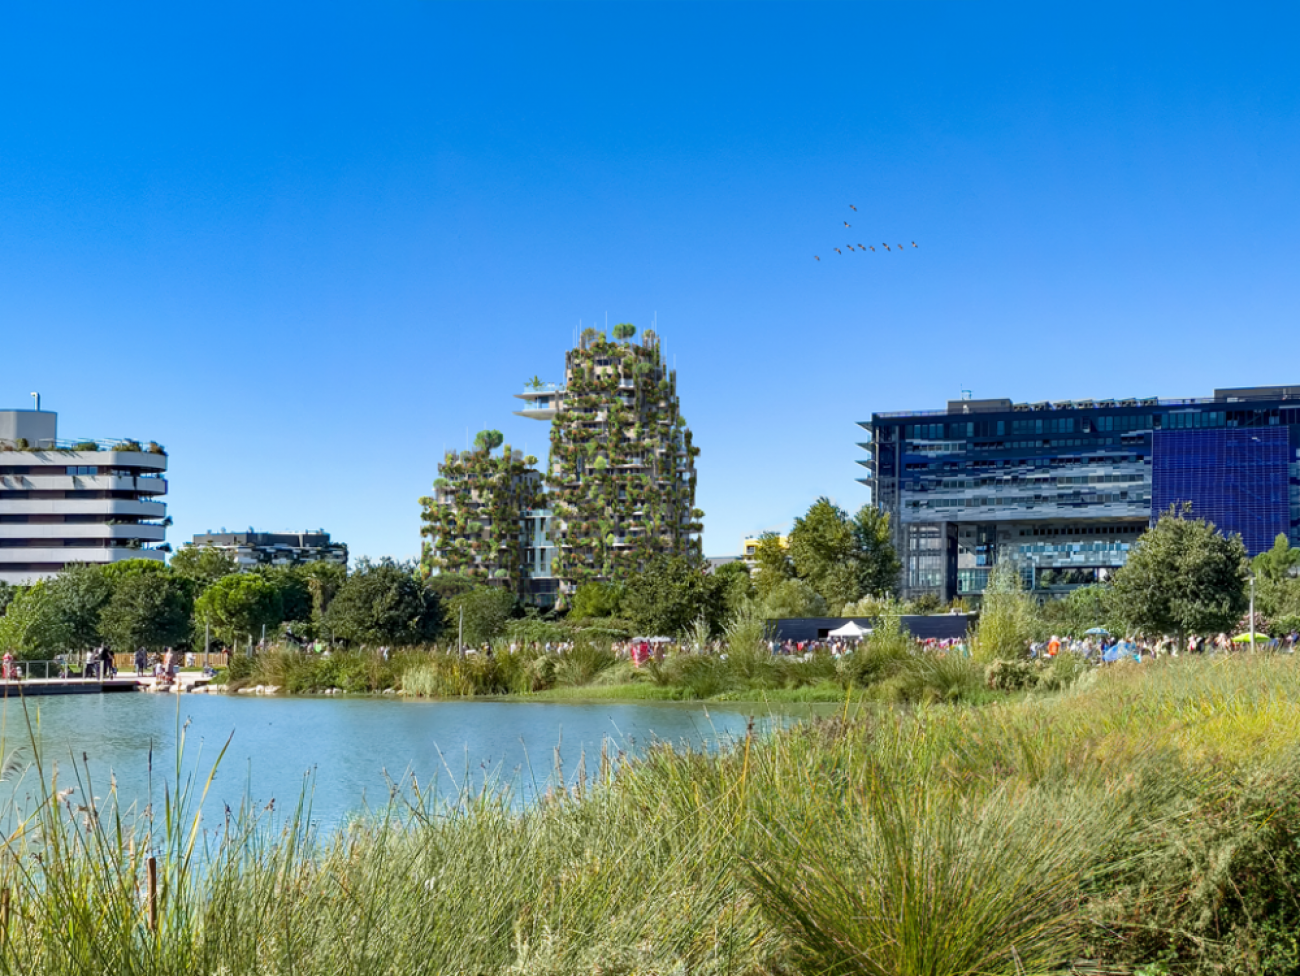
<point x="1252" y="612"/>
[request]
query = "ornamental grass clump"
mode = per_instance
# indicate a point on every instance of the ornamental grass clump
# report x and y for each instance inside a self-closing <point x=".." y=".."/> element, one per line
<point x="919" y="879"/>
<point x="1008" y="618"/>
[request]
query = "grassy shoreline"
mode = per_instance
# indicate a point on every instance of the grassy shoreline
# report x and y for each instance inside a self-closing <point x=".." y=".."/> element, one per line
<point x="886" y="670"/>
<point x="1143" y="819"/>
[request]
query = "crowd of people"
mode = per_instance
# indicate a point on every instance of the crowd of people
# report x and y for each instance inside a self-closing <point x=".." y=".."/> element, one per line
<point x="1105" y="649"/>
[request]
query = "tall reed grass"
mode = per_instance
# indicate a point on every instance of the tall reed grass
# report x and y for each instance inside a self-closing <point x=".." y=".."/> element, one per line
<point x="1146" y="817"/>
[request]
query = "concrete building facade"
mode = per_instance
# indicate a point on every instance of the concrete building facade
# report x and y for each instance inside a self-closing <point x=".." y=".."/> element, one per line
<point x="82" y="501"/>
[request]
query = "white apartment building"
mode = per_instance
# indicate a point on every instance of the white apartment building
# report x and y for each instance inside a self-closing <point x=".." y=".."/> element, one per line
<point x="64" y="502"/>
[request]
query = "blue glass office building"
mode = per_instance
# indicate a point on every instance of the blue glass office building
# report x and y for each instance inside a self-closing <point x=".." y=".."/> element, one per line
<point x="1064" y="489"/>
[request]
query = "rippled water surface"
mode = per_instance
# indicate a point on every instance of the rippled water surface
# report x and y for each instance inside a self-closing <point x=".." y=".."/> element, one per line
<point x="349" y="747"/>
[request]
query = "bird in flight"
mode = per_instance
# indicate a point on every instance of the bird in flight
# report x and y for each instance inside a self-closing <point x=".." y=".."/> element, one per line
<point x="853" y="208"/>
<point x="885" y="246"/>
<point x="900" y="247"/>
<point x="914" y="243"/>
<point x="846" y="223"/>
<point x="849" y="246"/>
<point x="838" y="251"/>
<point x="873" y="250"/>
<point x="816" y="257"/>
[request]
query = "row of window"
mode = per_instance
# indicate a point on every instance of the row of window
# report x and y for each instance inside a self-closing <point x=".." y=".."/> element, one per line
<point x="68" y="544"/>
<point x="1044" y="481"/>
<point x="1068" y="547"/>
<point x="1088" y="530"/>
<point x="1068" y="498"/>
<point x="14" y="495"/>
<point x="1102" y="423"/>
<point x="1195" y="421"/>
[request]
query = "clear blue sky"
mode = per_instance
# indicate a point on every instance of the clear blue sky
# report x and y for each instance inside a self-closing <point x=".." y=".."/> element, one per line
<point x="306" y="246"/>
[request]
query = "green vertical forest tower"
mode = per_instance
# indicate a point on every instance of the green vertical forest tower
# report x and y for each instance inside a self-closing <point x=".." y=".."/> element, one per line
<point x="621" y="478"/>
<point x="474" y="521"/>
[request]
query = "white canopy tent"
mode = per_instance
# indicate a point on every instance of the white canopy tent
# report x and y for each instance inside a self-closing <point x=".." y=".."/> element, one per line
<point x="850" y="629"/>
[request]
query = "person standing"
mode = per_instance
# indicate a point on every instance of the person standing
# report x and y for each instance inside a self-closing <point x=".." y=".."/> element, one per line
<point x="141" y="659"/>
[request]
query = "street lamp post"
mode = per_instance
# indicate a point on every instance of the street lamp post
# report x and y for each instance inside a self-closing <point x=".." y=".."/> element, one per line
<point x="1252" y="612"/>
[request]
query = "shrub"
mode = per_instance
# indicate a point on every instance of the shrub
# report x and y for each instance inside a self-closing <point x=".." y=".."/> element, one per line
<point x="1011" y="675"/>
<point x="1008" y="618"/>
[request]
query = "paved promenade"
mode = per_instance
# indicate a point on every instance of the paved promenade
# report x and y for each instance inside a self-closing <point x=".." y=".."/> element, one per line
<point x="186" y="681"/>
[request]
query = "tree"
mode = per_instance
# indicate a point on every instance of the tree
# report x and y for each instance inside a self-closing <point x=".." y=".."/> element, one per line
<point x="671" y="594"/>
<point x="879" y="567"/>
<point x="624" y="331"/>
<point x="292" y="584"/>
<point x="323" y="580"/>
<point x="238" y="606"/>
<point x="824" y="552"/>
<point x="1277" y="564"/>
<point x="793" y="598"/>
<point x="204" y="564"/>
<point x="488" y="441"/>
<point x="736" y="584"/>
<point x="1183" y="577"/>
<point x="147" y="609"/>
<point x="447" y="585"/>
<point x="7" y="593"/>
<point x="114" y="572"/>
<point x="595" y="600"/>
<point x="484" y="611"/>
<point x="772" y="563"/>
<point x="31" y="628"/>
<point x="383" y="604"/>
<point x="1079" y="611"/>
<point x="79" y="594"/>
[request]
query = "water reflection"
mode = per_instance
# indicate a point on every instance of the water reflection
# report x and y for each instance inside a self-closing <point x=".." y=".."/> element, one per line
<point x="349" y="748"/>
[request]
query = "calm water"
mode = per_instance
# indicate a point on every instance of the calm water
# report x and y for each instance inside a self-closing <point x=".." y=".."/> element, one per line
<point x="349" y="748"/>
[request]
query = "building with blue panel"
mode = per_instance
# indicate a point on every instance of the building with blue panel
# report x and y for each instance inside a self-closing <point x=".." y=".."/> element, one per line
<point x="1064" y="489"/>
<point x="1238" y="479"/>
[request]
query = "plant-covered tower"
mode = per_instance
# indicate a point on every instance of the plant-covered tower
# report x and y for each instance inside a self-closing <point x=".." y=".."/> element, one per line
<point x="621" y="478"/>
<point x="474" y="521"/>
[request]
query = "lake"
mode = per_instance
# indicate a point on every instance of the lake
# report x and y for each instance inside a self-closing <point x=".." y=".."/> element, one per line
<point x="348" y="748"/>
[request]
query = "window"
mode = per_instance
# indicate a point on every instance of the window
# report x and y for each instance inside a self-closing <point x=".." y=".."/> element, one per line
<point x="82" y="470"/>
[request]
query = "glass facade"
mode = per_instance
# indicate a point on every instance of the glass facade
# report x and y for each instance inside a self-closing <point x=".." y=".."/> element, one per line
<point x="1238" y="479"/>
<point x="1065" y="488"/>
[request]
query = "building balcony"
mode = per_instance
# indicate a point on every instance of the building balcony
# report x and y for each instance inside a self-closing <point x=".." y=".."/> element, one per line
<point x="103" y="459"/>
<point x="99" y="530"/>
<point x="83" y="506"/>
<point x="65" y="555"/>
<point x="66" y="482"/>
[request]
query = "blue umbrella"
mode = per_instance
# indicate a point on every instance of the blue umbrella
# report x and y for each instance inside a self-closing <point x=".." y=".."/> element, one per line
<point x="1098" y="630"/>
<point x="1113" y="654"/>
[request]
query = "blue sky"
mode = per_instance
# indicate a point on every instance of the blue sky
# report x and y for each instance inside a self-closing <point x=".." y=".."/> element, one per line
<point x="307" y="246"/>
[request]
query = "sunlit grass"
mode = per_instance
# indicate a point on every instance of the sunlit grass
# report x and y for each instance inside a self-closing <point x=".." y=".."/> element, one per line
<point x="1147" y="815"/>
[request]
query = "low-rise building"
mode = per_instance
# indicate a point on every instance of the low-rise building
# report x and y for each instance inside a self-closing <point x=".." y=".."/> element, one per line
<point x="252" y="549"/>
<point x="75" y="501"/>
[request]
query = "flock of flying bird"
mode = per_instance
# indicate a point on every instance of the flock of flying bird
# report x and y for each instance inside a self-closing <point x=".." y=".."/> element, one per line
<point x="860" y="247"/>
